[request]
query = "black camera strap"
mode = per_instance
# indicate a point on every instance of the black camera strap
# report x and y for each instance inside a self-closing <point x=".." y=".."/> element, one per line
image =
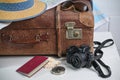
<point x="81" y="57"/>
<point x="98" y="53"/>
<point x="98" y="69"/>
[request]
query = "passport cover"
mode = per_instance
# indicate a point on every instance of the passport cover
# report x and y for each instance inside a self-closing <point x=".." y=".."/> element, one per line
<point x="33" y="65"/>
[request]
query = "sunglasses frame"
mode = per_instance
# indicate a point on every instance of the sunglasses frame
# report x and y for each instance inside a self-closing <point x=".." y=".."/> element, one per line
<point x="72" y="6"/>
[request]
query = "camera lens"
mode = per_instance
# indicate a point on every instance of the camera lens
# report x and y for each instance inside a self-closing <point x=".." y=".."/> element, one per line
<point x="79" y="57"/>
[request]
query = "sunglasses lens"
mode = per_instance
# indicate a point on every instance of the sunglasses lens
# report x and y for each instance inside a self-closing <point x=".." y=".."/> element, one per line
<point x="81" y="7"/>
<point x="66" y="5"/>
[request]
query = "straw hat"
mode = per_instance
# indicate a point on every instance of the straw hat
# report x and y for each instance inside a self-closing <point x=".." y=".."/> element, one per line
<point x="16" y="10"/>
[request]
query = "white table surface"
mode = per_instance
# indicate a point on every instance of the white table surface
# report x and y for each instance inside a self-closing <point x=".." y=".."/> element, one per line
<point x="9" y="64"/>
<point x="112" y="9"/>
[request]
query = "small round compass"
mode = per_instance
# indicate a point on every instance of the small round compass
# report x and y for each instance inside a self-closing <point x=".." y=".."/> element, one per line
<point x="58" y="70"/>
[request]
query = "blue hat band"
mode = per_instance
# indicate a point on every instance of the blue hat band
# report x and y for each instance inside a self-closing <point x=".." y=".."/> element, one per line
<point x="16" y="6"/>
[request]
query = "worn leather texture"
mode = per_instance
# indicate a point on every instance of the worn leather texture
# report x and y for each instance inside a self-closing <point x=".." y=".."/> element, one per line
<point x="46" y="34"/>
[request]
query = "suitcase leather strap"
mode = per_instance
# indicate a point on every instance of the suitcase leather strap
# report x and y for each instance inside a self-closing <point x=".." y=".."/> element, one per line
<point x="58" y="30"/>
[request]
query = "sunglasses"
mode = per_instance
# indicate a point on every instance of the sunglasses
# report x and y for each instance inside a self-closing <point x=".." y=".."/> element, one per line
<point x="74" y="5"/>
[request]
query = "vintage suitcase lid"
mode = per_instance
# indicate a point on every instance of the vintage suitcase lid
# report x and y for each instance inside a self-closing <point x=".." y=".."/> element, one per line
<point x="46" y="20"/>
<point x="82" y="19"/>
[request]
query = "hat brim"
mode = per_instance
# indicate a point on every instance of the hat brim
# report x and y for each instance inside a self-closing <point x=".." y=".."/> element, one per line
<point x="10" y="16"/>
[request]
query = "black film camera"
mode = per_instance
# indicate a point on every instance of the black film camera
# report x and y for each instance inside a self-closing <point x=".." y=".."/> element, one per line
<point x="80" y="57"/>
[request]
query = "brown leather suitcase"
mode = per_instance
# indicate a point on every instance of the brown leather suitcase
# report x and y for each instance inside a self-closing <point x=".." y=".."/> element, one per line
<point x="49" y="34"/>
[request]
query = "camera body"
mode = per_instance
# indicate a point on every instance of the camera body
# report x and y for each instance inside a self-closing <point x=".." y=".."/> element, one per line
<point x="80" y="57"/>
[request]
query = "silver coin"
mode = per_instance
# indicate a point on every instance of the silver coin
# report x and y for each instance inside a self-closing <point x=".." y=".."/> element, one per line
<point x="58" y="70"/>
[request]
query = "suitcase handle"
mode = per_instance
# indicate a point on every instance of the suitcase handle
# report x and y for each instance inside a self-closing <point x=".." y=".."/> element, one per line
<point x="22" y="40"/>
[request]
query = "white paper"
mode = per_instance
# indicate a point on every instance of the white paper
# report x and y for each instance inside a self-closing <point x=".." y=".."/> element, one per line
<point x="2" y="25"/>
<point x="99" y="17"/>
<point x="52" y="3"/>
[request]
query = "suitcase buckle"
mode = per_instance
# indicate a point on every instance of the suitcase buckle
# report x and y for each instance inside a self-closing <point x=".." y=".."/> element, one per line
<point x="72" y="33"/>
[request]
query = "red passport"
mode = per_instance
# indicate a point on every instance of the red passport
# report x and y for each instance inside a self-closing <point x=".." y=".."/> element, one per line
<point x="33" y="65"/>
